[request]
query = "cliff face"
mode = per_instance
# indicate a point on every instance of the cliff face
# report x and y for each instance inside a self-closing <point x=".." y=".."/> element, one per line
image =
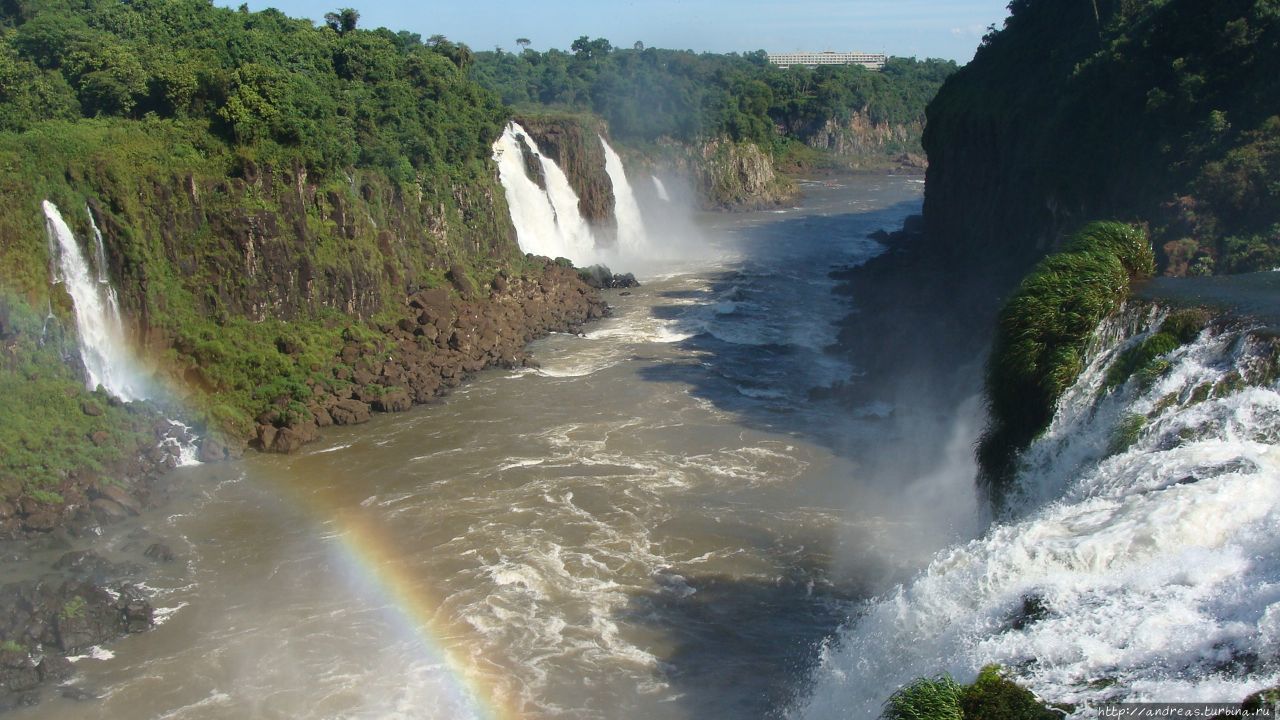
<point x="269" y="304"/>
<point x="573" y="142"/>
<point x="863" y="139"/>
<point x="270" y="244"/>
<point x="727" y="175"/>
<point x="738" y="176"/>
<point x="1141" y="111"/>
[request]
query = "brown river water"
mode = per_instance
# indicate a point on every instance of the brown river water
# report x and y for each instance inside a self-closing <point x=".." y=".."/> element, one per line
<point x="657" y="523"/>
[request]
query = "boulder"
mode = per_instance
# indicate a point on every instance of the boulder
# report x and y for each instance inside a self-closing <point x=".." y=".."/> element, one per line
<point x="292" y="437"/>
<point x="458" y="277"/>
<point x="435" y="303"/>
<point x="17" y="672"/>
<point x="267" y="436"/>
<point x="118" y="495"/>
<point x="212" y="450"/>
<point x="160" y="553"/>
<point x="41" y="521"/>
<point x="349" y="412"/>
<point x="397" y="400"/>
<point x="136" y="613"/>
<point x="321" y="415"/>
<point x="84" y="565"/>
<point x="53" y="668"/>
<point x="108" y="510"/>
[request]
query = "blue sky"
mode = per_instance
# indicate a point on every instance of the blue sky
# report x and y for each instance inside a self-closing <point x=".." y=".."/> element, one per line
<point x="924" y="28"/>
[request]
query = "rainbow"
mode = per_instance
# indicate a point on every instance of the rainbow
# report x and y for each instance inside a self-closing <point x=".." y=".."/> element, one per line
<point x="365" y="547"/>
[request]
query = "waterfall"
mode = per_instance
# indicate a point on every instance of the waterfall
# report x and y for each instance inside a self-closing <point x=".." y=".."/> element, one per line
<point x="631" y="235"/>
<point x="661" y="188"/>
<point x="103" y="349"/>
<point x="100" y="260"/>
<point x="548" y="222"/>
<point x="1141" y="566"/>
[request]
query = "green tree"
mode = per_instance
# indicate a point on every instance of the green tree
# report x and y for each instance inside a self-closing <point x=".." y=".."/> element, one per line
<point x="342" y="21"/>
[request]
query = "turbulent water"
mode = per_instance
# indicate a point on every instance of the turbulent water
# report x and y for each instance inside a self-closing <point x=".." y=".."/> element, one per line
<point x="650" y="525"/>
<point x="103" y="347"/>
<point x="1143" y="572"/>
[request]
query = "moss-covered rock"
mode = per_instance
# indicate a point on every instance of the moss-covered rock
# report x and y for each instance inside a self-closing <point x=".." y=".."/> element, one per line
<point x="994" y="697"/>
<point x="1043" y="335"/>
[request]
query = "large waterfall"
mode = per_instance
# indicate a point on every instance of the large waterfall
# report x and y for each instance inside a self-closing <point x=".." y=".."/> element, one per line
<point x="631" y="234"/>
<point x="1142" y="564"/>
<point x="103" y="347"/>
<point x="548" y="222"/>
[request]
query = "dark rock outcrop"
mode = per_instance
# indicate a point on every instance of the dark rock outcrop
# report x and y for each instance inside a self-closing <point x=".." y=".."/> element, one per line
<point x="442" y="340"/>
<point x="85" y="603"/>
<point x="600" y="278"/>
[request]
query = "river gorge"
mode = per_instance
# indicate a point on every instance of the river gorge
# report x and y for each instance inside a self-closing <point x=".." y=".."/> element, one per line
<point x="632" y="529"/>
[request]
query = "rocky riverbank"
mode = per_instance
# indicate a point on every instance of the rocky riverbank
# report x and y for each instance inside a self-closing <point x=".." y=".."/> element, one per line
<point x="443" y="337"/>
<point x="65" y="610"/>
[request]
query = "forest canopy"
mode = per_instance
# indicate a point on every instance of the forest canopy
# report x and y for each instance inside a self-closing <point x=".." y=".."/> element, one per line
<point x="333" y="94"/>
<point x="647" y="93"/>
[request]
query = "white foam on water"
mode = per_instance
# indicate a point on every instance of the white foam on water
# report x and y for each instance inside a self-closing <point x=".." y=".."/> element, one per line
<point x="1157" y="566"/>
<point x="97" y="652"/>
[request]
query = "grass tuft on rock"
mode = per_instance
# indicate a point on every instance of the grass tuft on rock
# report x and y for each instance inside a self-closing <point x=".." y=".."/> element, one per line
<point x="926" y="699"/>
<point x="1043" y="335"/>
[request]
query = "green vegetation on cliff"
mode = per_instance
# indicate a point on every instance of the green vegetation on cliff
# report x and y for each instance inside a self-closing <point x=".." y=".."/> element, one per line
<point x="1044" y="332"/>
<point x="646" y="94"/>
<point x="49" y="424"/>
<point x="268" y="192"/>
<point x="1155" y="111"/>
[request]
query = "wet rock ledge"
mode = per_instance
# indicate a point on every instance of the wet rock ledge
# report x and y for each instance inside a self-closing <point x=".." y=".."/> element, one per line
<point x="79" y="602"/>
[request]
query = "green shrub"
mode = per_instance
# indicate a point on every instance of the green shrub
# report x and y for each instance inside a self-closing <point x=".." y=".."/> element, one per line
<point x="1043" y="333"/>
<point x="74" y="608"/>
<point x="926" y="699"/>
<point x="1185" y="325"/>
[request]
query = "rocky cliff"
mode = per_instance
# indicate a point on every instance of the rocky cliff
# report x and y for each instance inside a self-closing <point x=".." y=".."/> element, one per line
<point x="727" y="175"/>
<point x="269" y="303"/>
<point x="573" y="143"/>
<point x="1154" y="112"/>
<point x="866" y="142"/>
<point x="739" y="176"/>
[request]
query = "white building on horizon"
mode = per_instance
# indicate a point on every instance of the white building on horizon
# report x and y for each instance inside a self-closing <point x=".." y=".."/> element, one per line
<point x="871" y="61"/>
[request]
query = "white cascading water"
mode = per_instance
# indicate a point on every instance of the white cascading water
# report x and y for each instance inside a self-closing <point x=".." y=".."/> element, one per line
<point x="548" y="222"/>
<point x="661" y="188"/>
<point x="103" y="347"/>
<point x="1153" y="570"/>
<point x="631" y="234"/>
<point x="100" y="260"/>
